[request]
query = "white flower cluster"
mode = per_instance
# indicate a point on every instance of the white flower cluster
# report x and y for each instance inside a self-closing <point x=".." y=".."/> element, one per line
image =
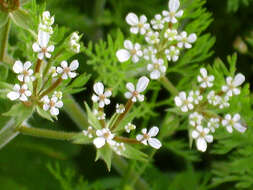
<point x="74" y="42"/>
<point x="25" y="73"/>
<point x="203" y="122"/>
<point x="107" y="135"/>
<point x="163" y="40"/>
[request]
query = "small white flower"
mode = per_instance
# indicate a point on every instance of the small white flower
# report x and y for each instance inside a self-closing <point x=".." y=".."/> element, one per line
<point x="129" y="127"/>
<point x="170" y="34"/>
<point x="173" y="13"/>
<point x="53" y="71"/>
<point x="74" y="46"/>
<point x="103" y="136"/>
<point x="186" y="41"/>
<point x="233" y="122"/>
<point x="232" y="84"/>
<point x="196" y="96"/>
<point x="120" y="108"/>
<point x="41" y="47"/>
<point x="133" y="93"/>
<point x="99" y="114"/>
<point x="119" y="148"/>
<point x="213" y="124"/>
<point x="68" y="71"/>
<point x="89" y="132"/>
<point x="205" y="80"/>
<point x="20" y="93"/>
<point x="149" y="53"/>
<point x="148" y="137"/>
<point x="157" y="22"/>
<point x="172" y="54"/>
<point x="46" y="28"/>
<point x="47" y="19"/>
<point x="213" y="99"/>
<point x="202" y="136"/>
<point x="195" y="119"/>
<point x="101" y="96"/>
<point x="184" y="102"/>
<point x="132" y="51"/>
<point x="137" y="25"/>
<point x="24" y="71"/>
<point x="58" y="94"/>
<point x="74" y="36"/>
<point x="224" y="102"/>
<point x="52" y="104"/>
<point x="152" y="37"/>
<point x="156" y="69"/>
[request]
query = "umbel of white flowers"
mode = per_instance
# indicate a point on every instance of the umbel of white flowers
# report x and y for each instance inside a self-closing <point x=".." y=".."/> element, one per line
<point x="201" y="123"/>
<point x="162" y="27"/>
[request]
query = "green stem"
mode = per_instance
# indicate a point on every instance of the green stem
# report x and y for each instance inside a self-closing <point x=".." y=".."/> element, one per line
<point x="46" y="133"/>
<point x="4" y="42"/>
<point x="169" y="86"/>
<point x="8" y="132"/>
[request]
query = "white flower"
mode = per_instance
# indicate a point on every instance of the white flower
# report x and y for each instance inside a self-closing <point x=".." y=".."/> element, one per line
<point x="41" y="47"/>
<point x="213" y="99"/>
<point x="53" y="71"/>
<point x="119" y="148"/>
<point x="137" y="25"/>
<point x="74" y="36"/>
<point x="132" y="50"/>
<point x="52" y="104"/>
<point x="101" y="96"/>
<point x="47" y="19"/>
<point x="89" y="132"/>
<point x="99" y="114"/>
<point x="173" y="12"/>
<point x="213" y="124"/>
<point x="58" y="94"/>
<point x="120" y="108"/>
<point x="232" y="84"/>
<point x="104" y="136"/>
<point x="129" y="127"/>
<point x="195" y="119"/>
<point x="205" y="80"/>
<point x="196" y="96"/>
<point x="170" y="34"/>
<point x="186" y="41"/>
<point x="148" y="137"/>
<point x="184" y="102"/>
<point x="152" y="37"/>
<point x="172" y="54"/>
<point x="74" y="46"/>
<point x="25" y="74"/>
<point x="233" y="122"/>
<point x="68" y="71"/>
<point x="133" y="93"/>
<point x="202" y="136"/>
<point x="20" y="93"/>
<point x="149" y="53"/>
<point x="157" y="22"/>
<point x="46" y="28"/>
<point x="156" y="69"/>
<point x="224" y="102"/>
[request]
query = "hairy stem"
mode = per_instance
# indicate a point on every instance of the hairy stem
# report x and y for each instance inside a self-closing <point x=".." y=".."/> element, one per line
<point x="169" y="86"/>
<point x="46" y="133"/>
<point x="52" y="87"/>
<point x="4" y="41"/>
<point x="126" y="140"/>
<point x="37" y="70"/>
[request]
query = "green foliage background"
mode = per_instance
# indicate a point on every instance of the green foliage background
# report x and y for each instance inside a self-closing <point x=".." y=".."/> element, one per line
<point x="29" y="163"/>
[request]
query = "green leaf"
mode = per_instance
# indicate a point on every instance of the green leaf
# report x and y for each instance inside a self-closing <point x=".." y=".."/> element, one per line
<point x="105" y="153"/>
<point x="92" y="118"/>
<point x="80" y="81"/>
<point x="81" y="139"/>
<point x="20" y="112"/>
<point x="134" y="153"/>
<point x="3" y="72"/>
<point x="8" y="132"/>
<point x="44" y="114"/>
<point x="232" y="62"/>
<point x="3" y="18"/>
<point x="22" y="19"/>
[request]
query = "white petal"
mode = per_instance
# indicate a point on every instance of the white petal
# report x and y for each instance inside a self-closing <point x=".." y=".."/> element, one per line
<point x="18" y="67"/>
<point x="174" y="5"/>
<point x="155" y="74"/>
<point x="179" y="13"/>
<point x="46" y="107"/>
<point x="43" y="38"/>
<point x="140" y="97"/>
<point x="128" y="44"/>
<point x="94" y="98"/>
<point x="59" y="70"/>
<point x="209" y="138"/>
<point x="98" y="88"/>
<point x="50" y="48"/>
<point x="192" y="38"/>
<point x="142" y="84"/>
<point x="64" y="64"/>
<point x="139" y="137"/>
<point x="27" y="65"/>
<point x="236" y="117"/>
<point x="153" y="131"/>
<point x="72" y="74"/>
<point x="108" y="93"/>
<point x="107" y="101"/>
<point x="48" y="55"/>
<point x="240" y="127"/>
<point x="134" y="30"/>
<point x="36" y="47"/>
<point x="128" y="95"/>
<point x="101" y="104"/>
<point x="59" y="104"/>
<point x="74" y="65"/>
<point x="201" y="144"/>
<point x="132" y="19"/>
<point x="239" y="79"/>
<point x="195" y="134"/>
<point x="54" y="111"/>
<point x="203" y="72"/>
<point x="123" y="55"/>
<point x="13" y="95"/>
<point x="155" y="143"/>
<point x="99" y="142"/>
<point x="229" y="129"/>
<point x="130" y="87"/>
<point x="28" y="93"/>
<point x="23" y="98"/>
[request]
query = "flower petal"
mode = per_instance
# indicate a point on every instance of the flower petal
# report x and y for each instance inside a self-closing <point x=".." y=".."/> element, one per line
<point x="153" y="131"/>
<point x="155" y="143"/>
<point x="74" y="65"/>
<point x="99" y="142"/>
<point x="43" y="38"/>
<point x="98" y="88"/>
<point x="239" y="79"/>
<point x="142" y="84"/>
<point x="123" y="55"/>
<point x="132" y="19"/>
<point x="18" y="67"/>
<point x="174" y="5"/>
<point x="201" y="144"/>
<point x="13" y="95"/>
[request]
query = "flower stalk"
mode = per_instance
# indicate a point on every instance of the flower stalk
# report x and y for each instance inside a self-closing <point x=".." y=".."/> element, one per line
<point x="168" y="85"/>
<point x="4" y="42"/>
